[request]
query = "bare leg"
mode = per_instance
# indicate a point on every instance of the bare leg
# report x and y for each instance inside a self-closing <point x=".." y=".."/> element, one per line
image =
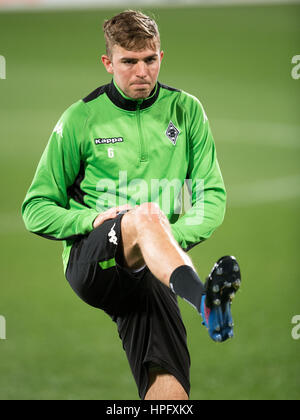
<point x="147" y="239"/>
<point x="165" y="386"/>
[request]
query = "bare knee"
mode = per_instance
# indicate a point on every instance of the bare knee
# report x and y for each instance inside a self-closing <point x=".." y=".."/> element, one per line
<point x="134" y="227"/>
<point x="149" y="215"/>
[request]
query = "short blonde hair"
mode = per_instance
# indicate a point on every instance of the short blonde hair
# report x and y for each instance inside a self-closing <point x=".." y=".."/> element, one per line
<point x="132" y="30"/>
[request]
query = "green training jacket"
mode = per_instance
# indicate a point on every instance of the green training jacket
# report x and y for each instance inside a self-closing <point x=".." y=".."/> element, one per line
<point x="108" y="150"/>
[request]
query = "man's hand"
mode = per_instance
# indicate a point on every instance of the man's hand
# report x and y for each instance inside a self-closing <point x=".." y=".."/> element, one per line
<point x="109" y="214"/>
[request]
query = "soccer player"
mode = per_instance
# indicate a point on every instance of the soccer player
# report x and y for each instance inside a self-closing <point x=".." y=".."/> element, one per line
<point x="108" y="186"/>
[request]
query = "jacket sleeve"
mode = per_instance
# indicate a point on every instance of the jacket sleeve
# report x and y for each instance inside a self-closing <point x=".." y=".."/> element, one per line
<point x="45" y="207"/>
<point x="205" y="182"/>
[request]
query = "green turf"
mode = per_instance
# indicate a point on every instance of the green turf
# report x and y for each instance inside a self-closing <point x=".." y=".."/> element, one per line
<point x="237" y="60"/>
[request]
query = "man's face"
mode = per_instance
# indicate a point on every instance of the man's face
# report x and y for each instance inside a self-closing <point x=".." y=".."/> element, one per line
<point x="135" y="72"/>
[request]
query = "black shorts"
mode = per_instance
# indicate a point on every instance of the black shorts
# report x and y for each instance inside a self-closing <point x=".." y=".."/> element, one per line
<point x="145" y="310"/>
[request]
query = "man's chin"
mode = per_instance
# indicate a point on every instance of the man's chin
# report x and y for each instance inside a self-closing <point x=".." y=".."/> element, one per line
<point x="140" y="94"/>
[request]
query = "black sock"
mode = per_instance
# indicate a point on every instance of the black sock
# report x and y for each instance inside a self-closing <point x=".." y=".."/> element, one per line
<point x="185" y="283"/>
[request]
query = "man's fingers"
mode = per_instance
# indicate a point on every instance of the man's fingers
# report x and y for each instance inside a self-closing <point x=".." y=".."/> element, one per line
<point x="123" y="207"/>
<point x="109" y="214"/>
<point x="102" y="217"/>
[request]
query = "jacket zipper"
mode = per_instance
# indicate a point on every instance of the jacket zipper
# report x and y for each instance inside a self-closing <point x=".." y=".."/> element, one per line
<point x="143" y="149"/>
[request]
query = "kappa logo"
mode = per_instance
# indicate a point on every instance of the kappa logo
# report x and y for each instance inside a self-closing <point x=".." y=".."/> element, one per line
<point x="172" y="133"/>
<point x="112" y="236"/>
<point x="110" y="140"/>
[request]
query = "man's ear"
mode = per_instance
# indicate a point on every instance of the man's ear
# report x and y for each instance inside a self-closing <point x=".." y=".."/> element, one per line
<point x="107" y="64"/>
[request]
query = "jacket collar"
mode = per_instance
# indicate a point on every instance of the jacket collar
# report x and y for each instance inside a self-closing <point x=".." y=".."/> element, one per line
<point x="121" y="101"/>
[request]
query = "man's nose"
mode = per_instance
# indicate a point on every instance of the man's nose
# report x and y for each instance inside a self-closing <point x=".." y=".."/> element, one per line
<point x="141" y="69"/>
